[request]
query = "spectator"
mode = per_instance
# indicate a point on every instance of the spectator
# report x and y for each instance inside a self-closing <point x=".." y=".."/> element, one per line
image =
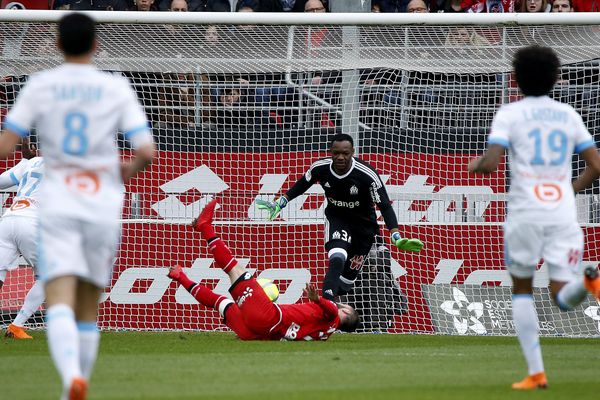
<point x="390" y="6"/>
<point x="232" y="100"/>
<point x="534" y="6"/>
<point x="315" y="6"/>
<point x="192" y="5"/>
<point x="277" y="100"/>
<point x="446" y="6"/>
<point x="282" y="5"/>
<point x="463" y="36"/>
<point x="94" y="5"/>
<point x="211" y="35"/>
<point x="218" y="6"/>
<point x="375" y="6"/>
<point x="417" y="6"/>
<point x="176" y="99"/>
<point x="144" y="5"/>
<point x="562" y="6"/>
<point x="179" y="6"/>
<point x="489" y="6"/>
<point x="247" y="5"/>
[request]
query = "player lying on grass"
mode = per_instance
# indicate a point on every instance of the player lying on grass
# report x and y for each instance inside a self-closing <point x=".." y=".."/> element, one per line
<point x="541" y="136"/>
<point x="253" y="316"/>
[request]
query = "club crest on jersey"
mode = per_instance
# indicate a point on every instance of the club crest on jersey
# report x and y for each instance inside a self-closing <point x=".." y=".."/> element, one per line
<point x="353" y="190"/>
<point x="327" y="185"/>
<point x="247" y="293"/>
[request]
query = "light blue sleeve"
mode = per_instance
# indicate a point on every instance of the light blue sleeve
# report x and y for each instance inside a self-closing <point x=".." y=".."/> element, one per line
<point x="22" y="115"/>
<point x="12" y="177"/>
<point x="584" y="139"/>
<point x="500" y="130"/>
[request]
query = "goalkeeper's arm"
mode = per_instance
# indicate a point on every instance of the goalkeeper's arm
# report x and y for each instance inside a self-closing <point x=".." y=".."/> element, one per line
<point x="274" y="207"/>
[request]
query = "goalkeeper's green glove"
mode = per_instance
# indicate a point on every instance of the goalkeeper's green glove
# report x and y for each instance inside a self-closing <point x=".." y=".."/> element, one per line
<point x="273" y="207"/>
<point x="406" y="244"/>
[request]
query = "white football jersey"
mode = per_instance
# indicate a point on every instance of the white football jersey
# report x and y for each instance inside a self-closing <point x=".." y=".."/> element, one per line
<point x="26" y="176"/>
<point x="77" y="111"/>
<point x="541" y="135"/>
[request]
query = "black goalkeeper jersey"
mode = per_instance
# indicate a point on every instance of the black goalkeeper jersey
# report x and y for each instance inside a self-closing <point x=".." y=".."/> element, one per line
<point x="351" y="196"/>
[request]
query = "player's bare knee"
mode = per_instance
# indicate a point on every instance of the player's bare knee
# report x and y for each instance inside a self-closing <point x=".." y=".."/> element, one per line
<point x="86" y="308"/>
<point x="61" y="290"/>
<point x="235" y="273"/>
<point x="244" y="276"/>
<point x="522" y="285"/>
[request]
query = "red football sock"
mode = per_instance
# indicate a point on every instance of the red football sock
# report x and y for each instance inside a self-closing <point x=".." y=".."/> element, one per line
<point x="208" y="232"/>
<point x="185" y="281"/>
<point x="206" y="296"/>
<point x="222" y="254"/>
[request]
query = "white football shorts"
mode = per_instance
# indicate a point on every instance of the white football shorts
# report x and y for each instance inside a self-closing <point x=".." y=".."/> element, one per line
<point x="17" y="237"/>
<point x="560" y="245"/>
<point x="74" y="247"/>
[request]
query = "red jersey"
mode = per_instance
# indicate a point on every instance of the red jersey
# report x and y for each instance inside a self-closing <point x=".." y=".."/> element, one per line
<point x="586" y="5"/>
<point x="490" y="6"/>
<point x="307" y="321"/>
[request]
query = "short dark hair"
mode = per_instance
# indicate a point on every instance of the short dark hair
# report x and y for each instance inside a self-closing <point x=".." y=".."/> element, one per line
<point x="536" y="70"/>
<point x="76" y="32"/>
<point x="350" y="324"/>
<point x="342" y="137"/>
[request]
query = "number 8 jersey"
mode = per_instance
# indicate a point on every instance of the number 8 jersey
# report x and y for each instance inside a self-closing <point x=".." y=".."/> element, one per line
<point x="541" y="136"/>
<point x="77" y="111"/>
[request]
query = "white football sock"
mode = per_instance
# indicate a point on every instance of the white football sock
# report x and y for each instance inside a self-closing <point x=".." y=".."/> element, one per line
<point x="63" y="342"/>
<point x="89" y="339"/>
<point x="526" y="325"/>
<point x="33" y="301"/>
<point x="571" y="295"/>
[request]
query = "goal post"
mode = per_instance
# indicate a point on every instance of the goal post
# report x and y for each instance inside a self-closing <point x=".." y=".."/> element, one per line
<point x="241" y="105"/>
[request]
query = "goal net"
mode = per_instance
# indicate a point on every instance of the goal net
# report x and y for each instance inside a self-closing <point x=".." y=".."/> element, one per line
<point x="240" y="111"/>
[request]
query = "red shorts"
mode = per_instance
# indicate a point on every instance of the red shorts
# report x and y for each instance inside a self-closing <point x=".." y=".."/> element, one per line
<point x="253" y="316"/>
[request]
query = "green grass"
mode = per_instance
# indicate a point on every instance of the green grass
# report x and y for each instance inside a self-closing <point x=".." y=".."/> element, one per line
<point x="218" y="366"/>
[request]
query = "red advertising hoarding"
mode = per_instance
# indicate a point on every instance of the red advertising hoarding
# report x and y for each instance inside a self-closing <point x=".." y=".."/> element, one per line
<point x="292" y="248"/>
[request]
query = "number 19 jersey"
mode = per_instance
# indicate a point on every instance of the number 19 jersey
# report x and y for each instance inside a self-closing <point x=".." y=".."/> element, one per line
<point x="541" y="135"/>
<point x="77" y="111"/>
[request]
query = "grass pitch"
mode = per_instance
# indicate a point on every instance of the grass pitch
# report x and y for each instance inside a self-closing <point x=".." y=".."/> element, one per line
<point x="218" y="366"/>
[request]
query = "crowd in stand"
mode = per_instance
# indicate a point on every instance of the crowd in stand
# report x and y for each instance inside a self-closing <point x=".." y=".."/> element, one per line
<point x="255" y="101"/>
<point x="378" y="6"/>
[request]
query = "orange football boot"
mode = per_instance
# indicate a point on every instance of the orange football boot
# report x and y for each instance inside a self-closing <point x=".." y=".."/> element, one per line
<point x="205" y="217"/>
<point x="16" y="332"/>
<point x="78" y="389"/>
<point x="535" y="381"/>
<point x="592" y="281"/>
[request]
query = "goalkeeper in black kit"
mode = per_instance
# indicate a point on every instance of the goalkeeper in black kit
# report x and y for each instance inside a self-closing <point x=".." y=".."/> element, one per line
<point x="352" y="187"/>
